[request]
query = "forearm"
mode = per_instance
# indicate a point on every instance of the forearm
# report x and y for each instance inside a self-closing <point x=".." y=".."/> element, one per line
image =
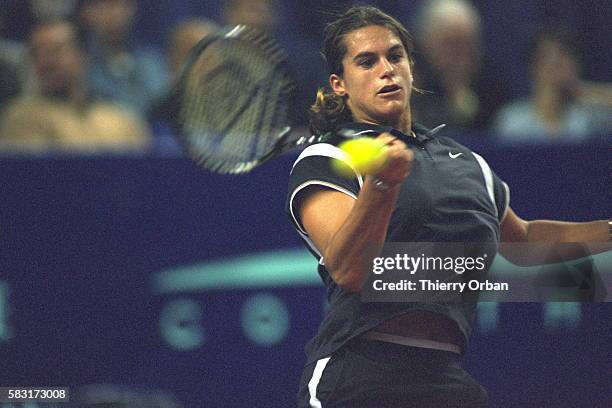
<point x="559" y="231"/>
<point x="551" y="242"/>
<point x="364" y="231"/>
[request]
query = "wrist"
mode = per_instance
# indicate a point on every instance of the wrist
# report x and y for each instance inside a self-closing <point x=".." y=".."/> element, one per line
<point x="381" y="185"/>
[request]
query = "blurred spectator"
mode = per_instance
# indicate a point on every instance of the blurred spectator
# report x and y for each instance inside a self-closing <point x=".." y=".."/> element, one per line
<point x="462" y="87"/>
<point x="63" y="116"/>
<point x="120" y="70"/>
<point x="183" y="38"/>
<point x="561" y="106"/>
<point x="27" y="14"/>
<point x="163" y="113"/>
<point x="261" y="14"/>
<point x="270" y="17"/>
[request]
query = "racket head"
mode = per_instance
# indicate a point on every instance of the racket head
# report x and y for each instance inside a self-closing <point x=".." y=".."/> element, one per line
<point x="234" y="101"/>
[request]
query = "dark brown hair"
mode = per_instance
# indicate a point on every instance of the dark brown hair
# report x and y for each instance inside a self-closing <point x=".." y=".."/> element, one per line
<point x="330" y="109"/>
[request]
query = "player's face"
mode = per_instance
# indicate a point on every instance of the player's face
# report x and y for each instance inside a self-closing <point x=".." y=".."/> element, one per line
<point x="377" y="80"/>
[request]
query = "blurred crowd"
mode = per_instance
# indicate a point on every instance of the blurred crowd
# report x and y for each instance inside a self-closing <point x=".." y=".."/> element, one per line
<point x="76" y="76"/>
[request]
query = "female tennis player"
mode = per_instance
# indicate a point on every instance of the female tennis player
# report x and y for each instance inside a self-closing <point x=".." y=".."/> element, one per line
<point x="428" y="189"/>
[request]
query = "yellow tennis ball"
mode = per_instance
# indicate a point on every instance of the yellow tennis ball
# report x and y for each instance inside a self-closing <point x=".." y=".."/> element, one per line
<point x="366" y="156"/>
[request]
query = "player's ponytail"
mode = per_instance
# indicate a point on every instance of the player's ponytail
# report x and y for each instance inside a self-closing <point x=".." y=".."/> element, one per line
<point x="328" y="111"/>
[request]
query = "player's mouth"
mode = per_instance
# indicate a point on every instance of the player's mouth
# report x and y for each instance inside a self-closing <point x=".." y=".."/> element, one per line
<point x="388" y="90"/>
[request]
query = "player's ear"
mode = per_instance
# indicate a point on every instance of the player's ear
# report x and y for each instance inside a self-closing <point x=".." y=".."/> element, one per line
<point x="337" y="84"/>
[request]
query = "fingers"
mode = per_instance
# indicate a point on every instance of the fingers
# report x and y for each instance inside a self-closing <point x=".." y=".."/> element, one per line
<point x="395" y="148"/>
<point x="400" y="153"/>
<point x="398" y="160"/>
<point x="388" y="139"/>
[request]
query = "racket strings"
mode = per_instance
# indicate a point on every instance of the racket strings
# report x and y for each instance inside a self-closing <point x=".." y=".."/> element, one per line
<point x="234" y="102"/>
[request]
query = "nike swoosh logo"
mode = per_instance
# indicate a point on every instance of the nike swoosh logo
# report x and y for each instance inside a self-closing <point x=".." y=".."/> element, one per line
<point x="454" y="156"/>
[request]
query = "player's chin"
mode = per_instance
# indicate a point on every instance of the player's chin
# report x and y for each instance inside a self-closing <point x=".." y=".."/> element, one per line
<point x="391" y="112"/>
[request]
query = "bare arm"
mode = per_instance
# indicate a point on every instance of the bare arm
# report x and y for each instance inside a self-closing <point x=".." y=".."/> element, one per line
<point x="515" y="229"/>
<point x="343" y="228"/>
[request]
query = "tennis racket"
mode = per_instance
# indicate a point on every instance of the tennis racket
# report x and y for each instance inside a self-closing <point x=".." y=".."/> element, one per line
<point x="234" y="102"/>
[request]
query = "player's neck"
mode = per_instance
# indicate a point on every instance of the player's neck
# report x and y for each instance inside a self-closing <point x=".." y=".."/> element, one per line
<point x="404" y="124"/>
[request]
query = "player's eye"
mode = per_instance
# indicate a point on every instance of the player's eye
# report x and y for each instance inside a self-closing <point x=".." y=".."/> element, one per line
<point x="366" y="63"/>
<point x="395" y="58"/>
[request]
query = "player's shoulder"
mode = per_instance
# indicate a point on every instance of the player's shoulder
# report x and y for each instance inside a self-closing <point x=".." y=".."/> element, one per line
<point x="320" y="151"/>
<point x="315" y="165"/>
<point x="323" y="147"/>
